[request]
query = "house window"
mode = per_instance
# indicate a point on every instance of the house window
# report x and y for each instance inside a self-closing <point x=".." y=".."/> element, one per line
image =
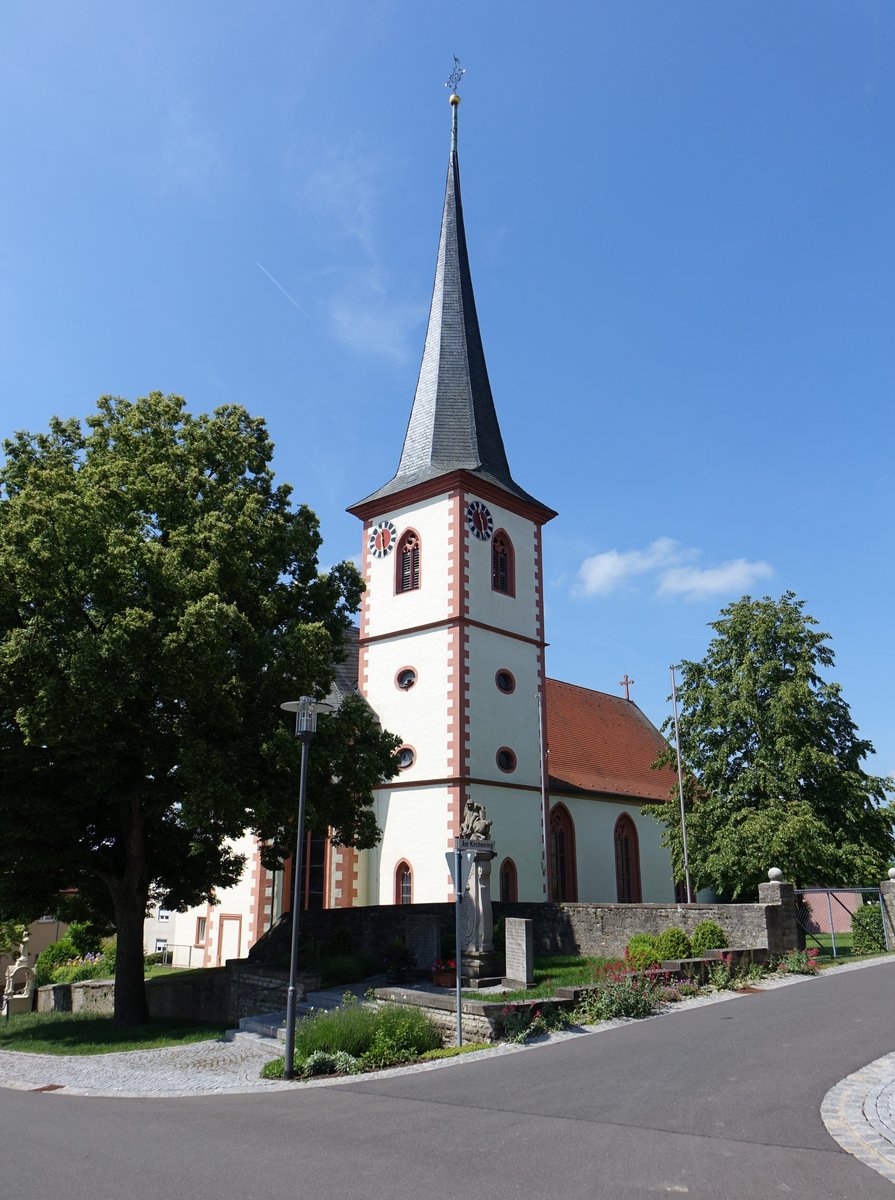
<point x="403" y="884"/>
<point x="627" y="862"/>
<point x="509" y="887"/>
<point x="563" y="880"/>
<point x="164" y="914"/>
<point x="407" y="563"/>
<point x="201" y="926"/>
<point x="161" y="945"/>
<point x="503" y="570"/>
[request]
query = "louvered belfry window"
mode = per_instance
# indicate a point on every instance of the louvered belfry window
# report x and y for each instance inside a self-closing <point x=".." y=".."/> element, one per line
<point x="408" y="564"/>
<point x="502" y="564"/>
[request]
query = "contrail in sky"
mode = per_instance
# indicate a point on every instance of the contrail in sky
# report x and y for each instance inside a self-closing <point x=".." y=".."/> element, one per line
<point x="276" y="283"/>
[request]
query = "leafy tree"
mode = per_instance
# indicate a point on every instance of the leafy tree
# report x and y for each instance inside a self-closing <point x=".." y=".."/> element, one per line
<point x="772" y="759"/>
<point x="159" y="598"/>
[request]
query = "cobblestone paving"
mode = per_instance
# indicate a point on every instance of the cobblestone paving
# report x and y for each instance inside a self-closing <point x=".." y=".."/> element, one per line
<point x="859" y="1114"/>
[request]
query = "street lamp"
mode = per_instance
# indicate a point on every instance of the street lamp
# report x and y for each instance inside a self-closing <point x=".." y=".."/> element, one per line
<point x="306" y="709"/>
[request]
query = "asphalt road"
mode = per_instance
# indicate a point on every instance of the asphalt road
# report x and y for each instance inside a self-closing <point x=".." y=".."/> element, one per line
<point x="720" y="1102"/>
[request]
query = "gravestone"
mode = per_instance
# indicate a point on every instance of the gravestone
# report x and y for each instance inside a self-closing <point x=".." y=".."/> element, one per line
<point x="520" y="949"/>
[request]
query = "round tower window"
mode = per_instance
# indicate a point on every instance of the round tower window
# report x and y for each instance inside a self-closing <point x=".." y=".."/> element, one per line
<point x="505" y="681"/>
<point x="506" y="759"/>
<point x="406" y="678"/>
<point x="406" y="757"/>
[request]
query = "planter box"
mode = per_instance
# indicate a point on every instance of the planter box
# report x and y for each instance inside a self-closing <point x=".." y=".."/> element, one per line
<point x="444" y="979"/>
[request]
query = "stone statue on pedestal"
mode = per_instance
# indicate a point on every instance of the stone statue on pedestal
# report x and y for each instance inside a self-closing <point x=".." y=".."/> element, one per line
<point x="477" y="923"/>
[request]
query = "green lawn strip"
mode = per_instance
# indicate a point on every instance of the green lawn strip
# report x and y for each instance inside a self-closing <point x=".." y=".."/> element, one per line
<point x="159" y="972"/>
<point x="76" y="1033"/>
<point x="550" y="974"/>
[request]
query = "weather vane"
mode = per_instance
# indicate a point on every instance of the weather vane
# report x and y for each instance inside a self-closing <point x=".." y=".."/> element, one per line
<point x="453" y="80"/>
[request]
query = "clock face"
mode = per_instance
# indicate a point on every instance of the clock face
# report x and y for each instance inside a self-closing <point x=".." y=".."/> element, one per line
<point x="479" y="521"/>
<point x="382" y="539"/>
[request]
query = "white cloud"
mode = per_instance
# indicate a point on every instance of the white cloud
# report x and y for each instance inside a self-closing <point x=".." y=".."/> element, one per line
<point x="602" y="573"/>
<point x="695" y="583"/>
<point x="673" y="571"/>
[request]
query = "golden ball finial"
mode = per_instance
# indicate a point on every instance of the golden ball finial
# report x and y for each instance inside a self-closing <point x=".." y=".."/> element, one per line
<point x="455" y="99"/>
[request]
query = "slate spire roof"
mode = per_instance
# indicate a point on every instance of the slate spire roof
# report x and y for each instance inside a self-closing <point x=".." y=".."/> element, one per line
<point x="453" y="423"/>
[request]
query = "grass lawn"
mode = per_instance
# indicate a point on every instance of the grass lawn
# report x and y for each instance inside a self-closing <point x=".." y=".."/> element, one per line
<point x="74" y="1033"/>
<point x="550" y="974"/>
<point x="844" y="951"/>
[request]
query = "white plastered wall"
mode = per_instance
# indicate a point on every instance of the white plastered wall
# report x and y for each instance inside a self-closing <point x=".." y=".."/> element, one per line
<point x="419" y="715"/>
<point x="497" y="719"/>
<point x="388" y="612"/>
<point x="517" y="613"/>
<point x="415" y="826"/>
<point x="595" y="850"/>
<point x="517" y="831"/>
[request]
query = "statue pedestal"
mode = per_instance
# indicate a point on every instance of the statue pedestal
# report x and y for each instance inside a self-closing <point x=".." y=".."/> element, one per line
<point x="479" y="961"/>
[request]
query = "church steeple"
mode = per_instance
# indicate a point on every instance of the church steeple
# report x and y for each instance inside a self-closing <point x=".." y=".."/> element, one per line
<point x="453" y="423"/>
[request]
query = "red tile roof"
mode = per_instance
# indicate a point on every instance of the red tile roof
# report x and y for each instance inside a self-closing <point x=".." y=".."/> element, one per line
<point x="602" y="743"/>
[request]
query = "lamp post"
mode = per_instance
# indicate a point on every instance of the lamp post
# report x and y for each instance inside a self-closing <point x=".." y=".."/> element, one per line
<point x="306" y="709"/>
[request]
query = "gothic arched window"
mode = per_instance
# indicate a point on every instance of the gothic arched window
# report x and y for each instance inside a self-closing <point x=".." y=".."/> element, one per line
<point x="509" y="885"/>
<point x="403" y="883"/>
<point x="503" y="564"/>
<point x="407" y="563"/>
<point x="563" y="878"/>
<point x="627" y="862"/>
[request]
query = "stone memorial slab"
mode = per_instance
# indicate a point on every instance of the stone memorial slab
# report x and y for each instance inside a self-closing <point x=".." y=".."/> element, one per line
<point x="520" y="951"/>
<point x="422" y="937"/>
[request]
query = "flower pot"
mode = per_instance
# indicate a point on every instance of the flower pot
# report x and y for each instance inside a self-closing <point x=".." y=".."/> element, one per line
<point x="444" y="978"/>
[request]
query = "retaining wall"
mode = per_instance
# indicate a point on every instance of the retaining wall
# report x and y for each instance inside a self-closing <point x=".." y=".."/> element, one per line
<point x="586" y="929"/>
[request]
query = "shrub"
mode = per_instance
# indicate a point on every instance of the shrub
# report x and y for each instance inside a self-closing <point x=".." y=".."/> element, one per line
<point x="401" y="1034"/>
<point x="351" y="1028"/>
<point x="867" y="930"/>
<point x="707" y="935"/>
<point x="620" y="993"/>
<point x="799" y="962"/>
<point x="57" y="954"/>
<point x="640" y="952"/>
<point x="673" y="943"/>
<point x="85" y="938"/>
<point x="323" y="1063"/>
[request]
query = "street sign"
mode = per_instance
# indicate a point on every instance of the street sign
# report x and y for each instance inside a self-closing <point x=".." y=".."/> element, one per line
<point x="467" y="858"/>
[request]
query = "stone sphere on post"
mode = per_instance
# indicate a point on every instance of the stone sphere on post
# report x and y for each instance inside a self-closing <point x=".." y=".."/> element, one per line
<point x="775" y="874"/>
<point x="892" y="873"/>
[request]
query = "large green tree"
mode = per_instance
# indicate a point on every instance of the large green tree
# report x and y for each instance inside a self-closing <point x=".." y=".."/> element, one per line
<point x="159" y="597"/>
<point x="772" y="760"/>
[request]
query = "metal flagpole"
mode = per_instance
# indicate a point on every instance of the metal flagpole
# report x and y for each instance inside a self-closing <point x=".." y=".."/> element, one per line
<point x="458" y="952"/>
<point x="680" y="784"/>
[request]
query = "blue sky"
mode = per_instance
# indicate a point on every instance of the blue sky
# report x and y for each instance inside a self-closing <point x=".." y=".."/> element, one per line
<point x="681" y="220"/>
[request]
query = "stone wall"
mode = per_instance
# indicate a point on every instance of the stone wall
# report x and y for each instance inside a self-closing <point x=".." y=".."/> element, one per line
<point x="586" y="929"/>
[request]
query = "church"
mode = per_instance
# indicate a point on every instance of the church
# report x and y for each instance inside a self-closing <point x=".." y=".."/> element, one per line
<point x="451" y="656"/>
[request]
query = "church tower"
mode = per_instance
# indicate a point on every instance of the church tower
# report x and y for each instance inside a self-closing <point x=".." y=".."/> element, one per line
<point x="451" y="648"/>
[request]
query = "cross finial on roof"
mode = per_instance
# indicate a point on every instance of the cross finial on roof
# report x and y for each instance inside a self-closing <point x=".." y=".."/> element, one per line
<point x="626" y="684"/>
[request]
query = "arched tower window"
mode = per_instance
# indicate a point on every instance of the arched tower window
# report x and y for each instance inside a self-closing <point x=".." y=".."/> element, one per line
<point x="509" y="885"/>
<point x="627" y="862"/>
<point x="503" y="564"/>
<point x="403" y="883"/>
<point x="407" y="563"/>
<point x="564" y="881"/>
